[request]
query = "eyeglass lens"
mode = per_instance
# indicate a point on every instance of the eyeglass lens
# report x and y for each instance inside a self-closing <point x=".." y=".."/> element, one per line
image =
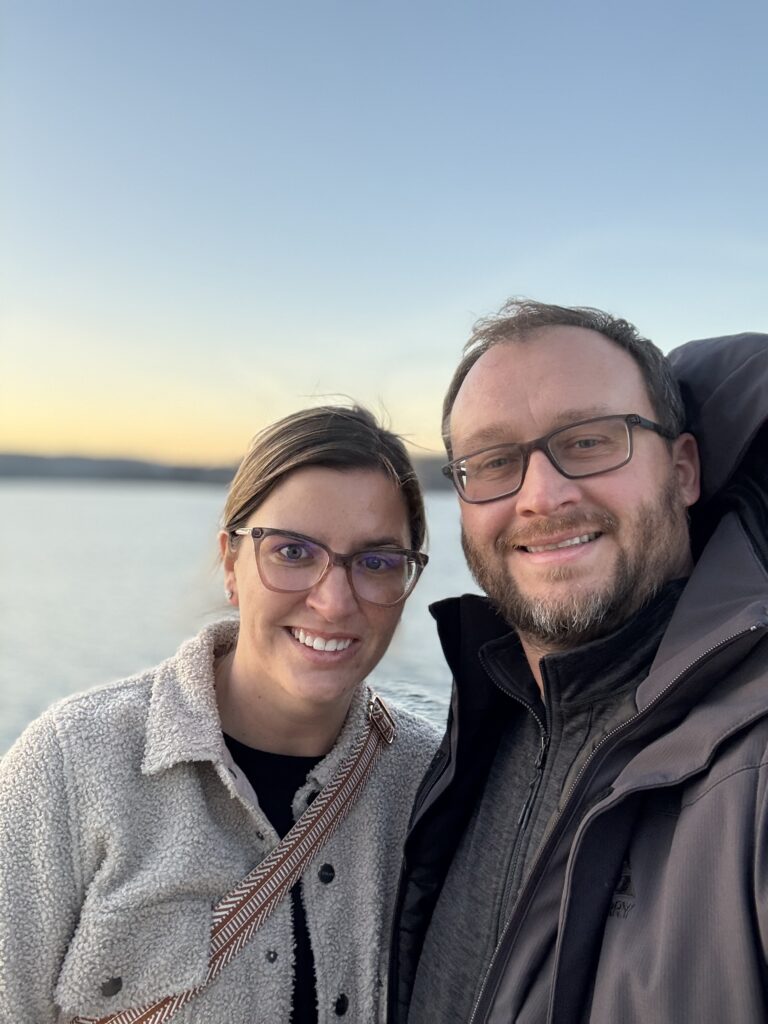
<point x="581" y="450"/>
<point x="289" y="563"/>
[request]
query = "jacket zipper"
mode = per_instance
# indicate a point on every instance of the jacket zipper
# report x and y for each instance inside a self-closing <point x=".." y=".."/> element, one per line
<point x="610" y="735"/>
<point x="533" y="786"/>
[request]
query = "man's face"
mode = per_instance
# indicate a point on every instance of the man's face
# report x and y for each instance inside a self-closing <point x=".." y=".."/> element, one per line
<point x="626" y="531"/>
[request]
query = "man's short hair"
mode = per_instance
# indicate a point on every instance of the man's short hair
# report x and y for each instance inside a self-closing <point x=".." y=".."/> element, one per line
<point x="519" y="318"/>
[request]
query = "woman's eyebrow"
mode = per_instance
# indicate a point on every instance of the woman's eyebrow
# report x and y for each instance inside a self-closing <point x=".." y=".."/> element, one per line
<point x="380" y="542"/>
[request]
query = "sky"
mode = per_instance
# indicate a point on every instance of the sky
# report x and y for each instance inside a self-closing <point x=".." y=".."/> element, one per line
<point x="216" y="213"/>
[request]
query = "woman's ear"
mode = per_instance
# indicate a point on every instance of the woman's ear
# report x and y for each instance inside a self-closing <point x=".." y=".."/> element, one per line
<point x="228" y="557"/>
<point x="685" y="462"/>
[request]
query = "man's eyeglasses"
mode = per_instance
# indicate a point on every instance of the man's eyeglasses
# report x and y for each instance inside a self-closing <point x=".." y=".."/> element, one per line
<point x="289" y="562"/>
<point x="586" y="448"/>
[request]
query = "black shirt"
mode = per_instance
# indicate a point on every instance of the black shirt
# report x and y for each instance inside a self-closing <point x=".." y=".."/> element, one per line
<point x="275" y="779"/>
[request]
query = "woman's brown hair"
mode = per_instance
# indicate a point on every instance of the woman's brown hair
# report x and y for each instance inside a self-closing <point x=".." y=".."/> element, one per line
<point x="337" y="437"/>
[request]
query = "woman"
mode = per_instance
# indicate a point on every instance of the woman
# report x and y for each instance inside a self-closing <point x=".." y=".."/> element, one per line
<point x="128" y="812"/>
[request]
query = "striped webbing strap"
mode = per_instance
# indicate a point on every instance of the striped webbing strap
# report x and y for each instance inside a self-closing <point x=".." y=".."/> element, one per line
<point x="238" y="915"/>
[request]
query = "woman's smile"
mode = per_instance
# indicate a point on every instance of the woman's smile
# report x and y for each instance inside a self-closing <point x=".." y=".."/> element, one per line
<point x="321" y="641"/>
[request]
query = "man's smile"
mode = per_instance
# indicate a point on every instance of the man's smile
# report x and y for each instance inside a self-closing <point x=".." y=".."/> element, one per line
<point x="584" y="538"/>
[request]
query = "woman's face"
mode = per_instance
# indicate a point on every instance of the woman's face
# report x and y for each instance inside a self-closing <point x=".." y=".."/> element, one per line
<point x="348" y="511"/>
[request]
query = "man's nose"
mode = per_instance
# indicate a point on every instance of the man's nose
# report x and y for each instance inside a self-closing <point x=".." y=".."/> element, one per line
<point x="333" y="597"/>
<point x="545" y="490"/>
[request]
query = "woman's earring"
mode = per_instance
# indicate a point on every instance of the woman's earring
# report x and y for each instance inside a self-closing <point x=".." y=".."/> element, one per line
<point x="229" y="594"/>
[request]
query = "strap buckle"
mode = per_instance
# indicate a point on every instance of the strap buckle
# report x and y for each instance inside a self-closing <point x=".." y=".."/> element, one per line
<point x="380" y="716"/>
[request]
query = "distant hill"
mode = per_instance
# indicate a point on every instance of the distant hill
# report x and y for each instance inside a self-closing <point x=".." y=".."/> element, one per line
<point x="72" y="467"/>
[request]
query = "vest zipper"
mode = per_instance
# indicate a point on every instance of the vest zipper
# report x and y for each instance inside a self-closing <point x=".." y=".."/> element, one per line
<point x="533" y="789"/>
<point x="522" y="823"/>
<point x="535" y="869"/>
<point x="530" y="797"/>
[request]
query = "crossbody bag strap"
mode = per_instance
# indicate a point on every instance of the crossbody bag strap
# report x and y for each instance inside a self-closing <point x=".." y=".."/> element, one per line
<point x="239" y="914"/>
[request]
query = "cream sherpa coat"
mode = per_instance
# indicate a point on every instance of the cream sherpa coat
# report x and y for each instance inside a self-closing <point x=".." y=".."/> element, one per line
<point x="123" y="818"/>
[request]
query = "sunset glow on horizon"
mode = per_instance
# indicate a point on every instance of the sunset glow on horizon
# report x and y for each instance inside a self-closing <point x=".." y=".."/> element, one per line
<point x="214" y="216"/>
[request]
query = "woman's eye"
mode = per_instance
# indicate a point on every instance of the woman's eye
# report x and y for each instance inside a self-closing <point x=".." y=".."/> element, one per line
<point x="379" y="561"/>
<point x="293" y="552"/>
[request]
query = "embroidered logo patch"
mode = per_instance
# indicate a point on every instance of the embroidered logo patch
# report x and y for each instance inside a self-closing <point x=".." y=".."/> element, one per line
<point x="623" y="902"/>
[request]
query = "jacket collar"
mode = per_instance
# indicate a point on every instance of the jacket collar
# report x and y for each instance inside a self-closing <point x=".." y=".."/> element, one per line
<point x="700" y="679"/>
<point x="183" y="720"/>
<point x="726" y="595"/>
<point x="464" y="625"/>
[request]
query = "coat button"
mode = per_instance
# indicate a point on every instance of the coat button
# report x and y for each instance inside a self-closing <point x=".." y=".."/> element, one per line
<point x="326" y="873"/>
<point x="111" y="987"/>
<point x="342" y="1005"/>
<point x="271" y="955"/>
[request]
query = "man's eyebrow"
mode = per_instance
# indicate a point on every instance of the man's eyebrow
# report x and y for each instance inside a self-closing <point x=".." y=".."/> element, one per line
<point x="503" y="433"/>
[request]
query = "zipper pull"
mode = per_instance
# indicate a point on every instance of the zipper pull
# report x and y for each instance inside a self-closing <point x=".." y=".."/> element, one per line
<point x="542" y="751"/>
<point x="525" y="810"/>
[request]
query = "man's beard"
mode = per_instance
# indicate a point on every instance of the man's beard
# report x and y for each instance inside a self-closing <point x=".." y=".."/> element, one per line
<point x="659" y="553"/>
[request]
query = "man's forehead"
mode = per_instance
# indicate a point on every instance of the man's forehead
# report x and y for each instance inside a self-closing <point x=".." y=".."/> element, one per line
<point x="500" y="431"/>
<point x="519" y="390"/>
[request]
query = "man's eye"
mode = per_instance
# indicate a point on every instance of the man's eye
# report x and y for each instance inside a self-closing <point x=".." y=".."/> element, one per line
<point x="585" y="443"/>
<point x="589" y="443"/>
<point x="495" y="464"/>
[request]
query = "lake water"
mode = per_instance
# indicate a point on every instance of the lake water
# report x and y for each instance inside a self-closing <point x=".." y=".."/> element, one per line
<point x="99" y="580"/>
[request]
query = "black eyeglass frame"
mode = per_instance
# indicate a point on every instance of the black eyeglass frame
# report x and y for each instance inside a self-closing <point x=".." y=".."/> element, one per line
<point x="541" y="444"/>
<point x="417" y="558"/>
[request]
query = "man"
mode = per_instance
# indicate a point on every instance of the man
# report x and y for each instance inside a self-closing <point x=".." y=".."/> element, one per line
<point x="590" y="843"/>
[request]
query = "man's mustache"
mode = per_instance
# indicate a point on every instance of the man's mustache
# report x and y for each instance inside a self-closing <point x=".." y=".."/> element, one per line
<point x="540" y="531"/>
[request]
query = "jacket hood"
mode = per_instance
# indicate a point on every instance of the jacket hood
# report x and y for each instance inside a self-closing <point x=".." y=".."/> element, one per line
<point x="724" y="382"/>
<point x="725" y="389"/>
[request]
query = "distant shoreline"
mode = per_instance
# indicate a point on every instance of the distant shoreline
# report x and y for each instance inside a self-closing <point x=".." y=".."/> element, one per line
<point x="16" y="466"/>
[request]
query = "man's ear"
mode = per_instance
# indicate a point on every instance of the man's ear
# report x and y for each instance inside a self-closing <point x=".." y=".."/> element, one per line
<point x="686" y="467"/>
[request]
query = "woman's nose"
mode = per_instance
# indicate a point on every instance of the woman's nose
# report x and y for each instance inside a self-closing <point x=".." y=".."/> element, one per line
<point x="333" y="597"/>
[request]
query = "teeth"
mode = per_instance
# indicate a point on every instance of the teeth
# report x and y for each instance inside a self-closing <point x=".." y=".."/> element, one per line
<point x="571" y="542"/>
<point x="319" y="643"/>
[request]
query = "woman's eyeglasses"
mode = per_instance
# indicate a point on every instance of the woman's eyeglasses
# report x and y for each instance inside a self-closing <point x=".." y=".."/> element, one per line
<point x="290" y="562"/>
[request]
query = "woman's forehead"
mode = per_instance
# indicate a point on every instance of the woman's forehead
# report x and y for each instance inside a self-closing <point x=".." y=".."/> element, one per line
<point x="351" y="507"/>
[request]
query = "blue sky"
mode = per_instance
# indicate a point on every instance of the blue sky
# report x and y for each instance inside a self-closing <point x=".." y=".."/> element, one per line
<point x="215" y="213"/>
